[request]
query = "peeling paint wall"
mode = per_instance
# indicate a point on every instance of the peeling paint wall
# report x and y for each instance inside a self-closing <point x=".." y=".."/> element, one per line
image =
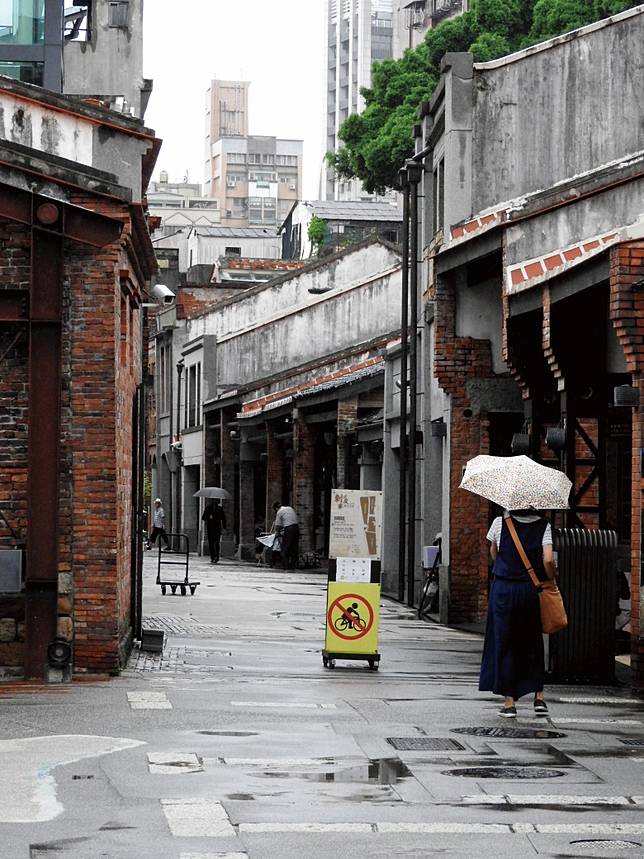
<point x="48" y="131"/>
<point x="558" y="112"/>
<point x="111" y="64"/>
<point x="266" y="303"/>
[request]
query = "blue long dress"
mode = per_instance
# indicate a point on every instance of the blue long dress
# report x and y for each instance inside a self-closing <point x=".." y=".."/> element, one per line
<point x="512" y="662"/>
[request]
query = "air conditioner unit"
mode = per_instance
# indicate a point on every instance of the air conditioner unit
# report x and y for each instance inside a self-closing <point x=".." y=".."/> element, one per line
<point x="230" y="184"/>
<point x="292" y="187"/>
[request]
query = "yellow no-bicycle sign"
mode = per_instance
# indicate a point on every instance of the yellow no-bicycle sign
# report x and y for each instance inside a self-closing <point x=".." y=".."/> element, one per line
<point x="352" y="617"/>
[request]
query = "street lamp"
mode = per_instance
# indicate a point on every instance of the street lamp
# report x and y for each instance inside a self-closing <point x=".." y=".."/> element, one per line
<point x="415" y="172"/>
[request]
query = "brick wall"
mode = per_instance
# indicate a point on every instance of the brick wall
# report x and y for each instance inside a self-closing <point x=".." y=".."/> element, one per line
<point x="346" y="424"/>
<point x="458" y="359"/>
<point x="274" y="472"/>
<point x="303" y="465"/>
<point x="103" y="346"/>
<point x="14" y="274"/>
<point x="101" y="367"/>
<point x="627" y="314"/>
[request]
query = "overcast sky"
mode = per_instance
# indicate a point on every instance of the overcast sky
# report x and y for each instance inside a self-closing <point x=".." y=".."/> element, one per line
<point x="277" y="45"/>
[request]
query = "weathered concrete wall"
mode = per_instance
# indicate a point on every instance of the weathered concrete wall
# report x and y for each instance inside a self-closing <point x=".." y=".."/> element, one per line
<point x="543" y="115"/>
<point x="337" y="322"/>
<point x="84" y="135"/>
<point x="561" y="230"/>
<point x="271" y="301"/>
<point x="111" y="64"/>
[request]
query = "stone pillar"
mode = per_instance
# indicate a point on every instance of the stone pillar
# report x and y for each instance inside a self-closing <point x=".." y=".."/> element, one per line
<point x="226" y="478"/>
<point x="347" y="422"/>
<point x="303" y="470"/>
<point x="274" y="473"/>
<point x="246" y="548"/>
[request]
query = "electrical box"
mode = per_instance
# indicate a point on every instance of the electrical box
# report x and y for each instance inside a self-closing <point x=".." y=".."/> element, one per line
<point x="10" y="571"/>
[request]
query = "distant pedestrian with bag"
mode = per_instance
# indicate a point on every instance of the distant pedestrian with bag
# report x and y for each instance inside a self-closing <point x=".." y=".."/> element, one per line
<point x="215" y="519"/>
<point x="158" y="525"/>
<point x="287" y="528"/>
<point x="513" y="656"/>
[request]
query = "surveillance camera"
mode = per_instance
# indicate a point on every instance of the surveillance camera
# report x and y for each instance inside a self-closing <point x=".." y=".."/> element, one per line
<point x="163" y="293"/>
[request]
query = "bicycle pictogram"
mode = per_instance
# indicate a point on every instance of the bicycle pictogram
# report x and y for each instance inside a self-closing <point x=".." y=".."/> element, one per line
<point x="350" y="616"/>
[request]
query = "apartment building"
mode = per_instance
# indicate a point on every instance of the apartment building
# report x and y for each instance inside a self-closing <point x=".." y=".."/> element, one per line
<point x="359" y="33"/>
<point x="226" y="109"/>
<point x="255" y="179"/>
<point x="413" y="18"/>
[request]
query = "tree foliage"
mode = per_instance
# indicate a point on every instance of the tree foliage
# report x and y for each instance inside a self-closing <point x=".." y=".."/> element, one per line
<point x="376" y="142"/>
<point x="317" y="232"/>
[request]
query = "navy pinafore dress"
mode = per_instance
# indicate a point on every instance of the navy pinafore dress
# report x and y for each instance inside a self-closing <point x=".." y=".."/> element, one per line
<point x="513" y="651"/>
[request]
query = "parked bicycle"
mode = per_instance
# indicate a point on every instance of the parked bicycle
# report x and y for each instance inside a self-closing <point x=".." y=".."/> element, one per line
<point x="428" y="601"/>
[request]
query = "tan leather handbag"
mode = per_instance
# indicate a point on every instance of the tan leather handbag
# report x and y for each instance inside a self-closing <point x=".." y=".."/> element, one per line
<point x="553" y="611"/>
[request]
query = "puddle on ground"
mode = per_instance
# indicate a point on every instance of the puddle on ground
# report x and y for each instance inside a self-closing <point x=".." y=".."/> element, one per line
<point x="381" y="771"/>
<point x="511" y="772"/>
<point x="229" y="733"/>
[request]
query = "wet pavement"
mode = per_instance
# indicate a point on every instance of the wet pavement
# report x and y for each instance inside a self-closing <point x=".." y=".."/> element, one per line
<point x="237" y="742"/>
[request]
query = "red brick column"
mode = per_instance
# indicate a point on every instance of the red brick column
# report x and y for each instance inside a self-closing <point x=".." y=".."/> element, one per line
<point x="274" y="473"/>
<point x="98" y="430"/>
<point x="303" y="465"/>
<point x="14" y="400"/>
<point x="347" y="422"/>
<point x="458" y="359"/>
<point x="627" y="314"/>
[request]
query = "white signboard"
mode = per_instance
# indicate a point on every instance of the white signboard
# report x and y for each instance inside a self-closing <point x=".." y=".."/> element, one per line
<point x="353" y="570"/>
<point x="356" y="524"/>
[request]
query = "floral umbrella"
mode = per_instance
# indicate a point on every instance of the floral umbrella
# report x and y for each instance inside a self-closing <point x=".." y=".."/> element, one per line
<point x="517" y="483"/>
<point x="212" y="492"/>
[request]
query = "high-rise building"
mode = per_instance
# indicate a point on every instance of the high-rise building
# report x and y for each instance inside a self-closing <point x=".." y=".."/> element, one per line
<point x="413" y="18"/>
<point x="226" y="109"/>
<point x="359" y="33"/>
<point x="255" y="179"/>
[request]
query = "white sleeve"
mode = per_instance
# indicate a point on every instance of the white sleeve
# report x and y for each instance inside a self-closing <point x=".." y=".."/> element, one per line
<point x="547" y="536"/>
<point x="494" y="534"/>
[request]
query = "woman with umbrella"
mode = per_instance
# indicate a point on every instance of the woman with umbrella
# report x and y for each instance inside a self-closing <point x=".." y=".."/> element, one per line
<point x="513" y="658"/>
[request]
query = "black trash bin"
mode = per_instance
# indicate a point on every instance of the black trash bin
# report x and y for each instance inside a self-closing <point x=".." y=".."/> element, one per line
<point x="585" y="651"/>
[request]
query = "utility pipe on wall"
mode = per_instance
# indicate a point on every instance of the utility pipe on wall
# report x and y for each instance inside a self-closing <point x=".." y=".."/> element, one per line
<point x="414" y="175"/>
<point x="404" y="325"/>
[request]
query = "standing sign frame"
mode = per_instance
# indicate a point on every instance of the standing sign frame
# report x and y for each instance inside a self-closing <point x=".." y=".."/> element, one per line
<point x="353" y="587"/>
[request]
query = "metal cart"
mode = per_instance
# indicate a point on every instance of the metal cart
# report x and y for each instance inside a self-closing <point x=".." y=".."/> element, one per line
<point x="165" y="560"/>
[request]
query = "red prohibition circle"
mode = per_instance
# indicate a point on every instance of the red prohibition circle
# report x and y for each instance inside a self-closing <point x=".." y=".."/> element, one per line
<point x="336" y="604"/>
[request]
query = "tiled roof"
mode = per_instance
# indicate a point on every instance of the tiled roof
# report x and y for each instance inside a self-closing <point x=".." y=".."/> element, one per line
<point x="241" y="232"/>
<point x="249" y="264"/>
<point x="347" y="210"/>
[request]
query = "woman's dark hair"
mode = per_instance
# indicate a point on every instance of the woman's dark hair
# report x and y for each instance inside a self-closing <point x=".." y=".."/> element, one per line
<point x="528" y="511"/>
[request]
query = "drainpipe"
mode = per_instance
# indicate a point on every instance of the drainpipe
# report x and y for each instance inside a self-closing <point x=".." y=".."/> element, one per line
<point x="404" y="326"/>
<point x="414" y="175"/>
<point x="177" y="499"/>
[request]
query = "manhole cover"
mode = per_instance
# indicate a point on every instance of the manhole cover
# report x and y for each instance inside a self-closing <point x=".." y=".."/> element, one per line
<point x="606" y="844"/>
<point x="631" y="741"/>
<point x="425" y="744"/>
<point x="511" y="733"/>
<point x="504" y="772"/>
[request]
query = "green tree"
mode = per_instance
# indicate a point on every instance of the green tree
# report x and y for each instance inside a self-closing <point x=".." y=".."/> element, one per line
<point x="376" y="142"/>
<point x="317" y="232"/>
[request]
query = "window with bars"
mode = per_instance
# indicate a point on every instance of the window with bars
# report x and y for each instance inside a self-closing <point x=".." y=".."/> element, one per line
<point x="192" y="412"/>
<point x="118" y="14"/>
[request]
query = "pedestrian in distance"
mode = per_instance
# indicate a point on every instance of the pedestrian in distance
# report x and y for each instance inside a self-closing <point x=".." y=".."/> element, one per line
<point x="288" y="530"/>
<point x="215" y="519"/>
<point x="513" y="657"/>
<point x="158" y="525"/>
